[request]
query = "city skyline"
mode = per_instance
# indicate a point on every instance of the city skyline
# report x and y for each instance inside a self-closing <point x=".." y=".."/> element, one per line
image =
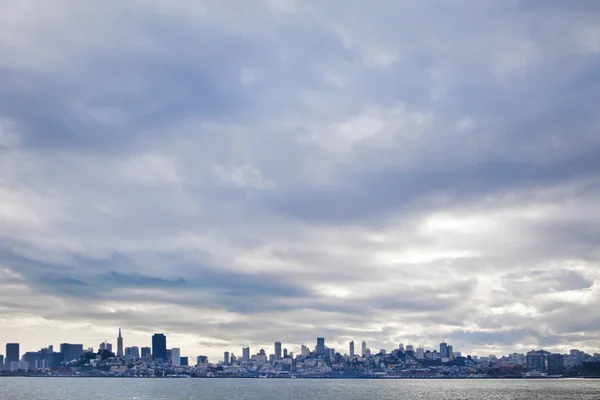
<point x="237" y="173"/>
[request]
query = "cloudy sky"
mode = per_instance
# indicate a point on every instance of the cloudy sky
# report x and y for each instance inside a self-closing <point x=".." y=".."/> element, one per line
<point x="233" y="173"/>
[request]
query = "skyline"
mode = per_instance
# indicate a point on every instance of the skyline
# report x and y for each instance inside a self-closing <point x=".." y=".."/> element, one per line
<point x="230" y="173"/>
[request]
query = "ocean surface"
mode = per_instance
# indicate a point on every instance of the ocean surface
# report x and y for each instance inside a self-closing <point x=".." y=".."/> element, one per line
<point x="292" y="389"/>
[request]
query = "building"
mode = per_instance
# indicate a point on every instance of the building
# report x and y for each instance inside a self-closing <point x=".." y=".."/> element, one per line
<point x="352" y="348"/>
<point x="132" y="352"/>
<point x="246" y="354"/>
<point x="184" y="362"/>
<point x="304" y="351"/>
<point x="367" y="353"/>
<point x="120" y="344"/>
<point x="444" y="350"/>
<point x="226" y="357"/>
<point x="159" y="347"/>
<point x="1" y="361"/>
<point x="450" y="352"/>
<point x="175" y="356"/>
<point x="420" y="353"/>
<point x="555" y="364"/>
<point x="364" y="348"/>
<point x="409" y="348"/>
<point x="13" y="354"/>
<point x="331" y="354"/>
<point x="536" y="361"/>
<point x="277" y="350"/>
<point x="105" y="347"/>
<point x="146" y="352"/>
<point x="201" y="360"/>
<point x="320" y="348"/>
<point x="70" y="352"/>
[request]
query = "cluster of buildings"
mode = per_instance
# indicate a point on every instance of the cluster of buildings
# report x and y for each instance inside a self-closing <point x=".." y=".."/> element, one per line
<point x="318" y="362"/>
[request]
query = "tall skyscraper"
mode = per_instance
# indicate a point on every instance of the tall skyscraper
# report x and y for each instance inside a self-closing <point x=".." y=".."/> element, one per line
<point x="12" y="353"/>
<point x="176" y="356"/>
<point x="420" y="353"/>
<point x="320" y="348"/>
<point x="246" y="354"/>
<point x="120" y="344"/>
<point x="364" y="348"/>
<point x="352" y="348"/>
<point x="146" y="352"/>
<point x="70" y="352"/>
<point x="285" y="353"/>
<point x="159" y="347"/>
<point x="304" y="350"/>
<point x="226" y="357"/>
<point x="444" y="350"/>
<point x="450" y="352"/>
<point x="401" y="347"/>
<point x="278" y="350"/>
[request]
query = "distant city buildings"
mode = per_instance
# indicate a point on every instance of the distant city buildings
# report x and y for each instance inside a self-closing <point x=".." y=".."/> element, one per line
<point x="13" y="353"/>
<point x="159" y="347"/>
<point x="120" y="344"/>
<point x="320" y="348"/>
<point x="277" y="348"/>
<point x="352" y="348"/>
<point x="364" y="348"/>
<point x="175" y="356"/>
<point x="246" y="354"/>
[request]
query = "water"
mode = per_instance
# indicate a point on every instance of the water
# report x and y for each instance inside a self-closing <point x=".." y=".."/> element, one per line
<point x="294" y="389"/>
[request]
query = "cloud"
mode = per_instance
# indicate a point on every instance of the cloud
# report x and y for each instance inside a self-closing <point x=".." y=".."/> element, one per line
<point x="235" y="175"/>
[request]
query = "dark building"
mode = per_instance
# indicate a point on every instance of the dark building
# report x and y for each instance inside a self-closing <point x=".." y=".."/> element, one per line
<point x="320" y="349"/>
<point x="556" y="364"/>
<point x="278" y="350"/>
<point x="159" y="347"/>
<point x="146" y="352"/>
<point x="536" y="361"/>
<point x="70" y="352"/>
<point x="12" y="352"/>
<point x="183" y="361"/>
<point x="1" y="360"/>
<point x="201" y="360"/>
<point x="294" y="365"/>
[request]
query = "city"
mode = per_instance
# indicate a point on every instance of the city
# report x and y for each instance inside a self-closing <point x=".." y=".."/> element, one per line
<point x="357" y="361"/>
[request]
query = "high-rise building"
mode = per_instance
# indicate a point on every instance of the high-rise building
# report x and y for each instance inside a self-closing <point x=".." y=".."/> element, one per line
<point x="175" y="356"/>
<point x="226" y="357"/>
<point x="304" y="350"/>
<point x="246" y="354"/>
<point x="1" y="361"/>
<point x="159" y="347"/>
<point x="146" y="352"/>
<point x="331" y="353"/>
<point x="201" y="360"/>
<point x="409" y="348"/>
<point x="536" y="361"/>
<point x="320" y="348"/>
<point x="132" y="352"/>
<point x="401" y="347"/>
<point x="285" y="353"/>
<point x="367" y="352"/>
<point x="70" y="352"/>
<point x="13" y="354"/>
<point x="120" y="344"/>
<point x="556" y="364"/>
<point x="105" y="346"/>
<point x="364" y="348"/>
<point x="352" y="348"/>
<point x="450" y="352"/>
<point x="277" y="350"/>
<point x="420" y="353"/>
<point x="444" y="350"/>
<point x="184" y="362"/>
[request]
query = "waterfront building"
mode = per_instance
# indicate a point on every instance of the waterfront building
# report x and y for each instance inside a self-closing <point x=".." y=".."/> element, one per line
<point x="70" y="352"/>
<point x="12" y="353"/>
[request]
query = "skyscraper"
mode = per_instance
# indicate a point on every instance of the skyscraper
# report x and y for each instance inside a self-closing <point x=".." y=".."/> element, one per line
<point x="352" y="348"/>
<point x="278" y="350"/>
<point x="226" y="357"/>
<point x="304" y="350"/>
<point x="444" y="350"/>
<point x="420" y="353"/>
<point x="146" y="352"/>
<point x="320" y="348"/>
<point x="364" y="348"/>
<point x="70" y="352"/>
<point x="12" y="353"/>
<point x="246" y="354"/>
<point x="175" y="356"/>
<point x="120" y="344"/>
<point x="159" y="347"/>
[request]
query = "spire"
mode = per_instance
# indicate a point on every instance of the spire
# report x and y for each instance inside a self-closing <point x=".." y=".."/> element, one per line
<point x="119" y="332"/>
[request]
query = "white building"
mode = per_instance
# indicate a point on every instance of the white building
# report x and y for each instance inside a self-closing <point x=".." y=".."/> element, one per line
<point x="175" y="356"/>
<point x="420" y="353"/>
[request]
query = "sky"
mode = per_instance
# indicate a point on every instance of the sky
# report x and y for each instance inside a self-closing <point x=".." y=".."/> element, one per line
<point x="235" y="173"/>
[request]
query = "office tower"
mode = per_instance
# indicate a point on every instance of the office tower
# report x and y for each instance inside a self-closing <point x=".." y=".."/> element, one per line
<point x="146" y="352"/>
<point x="536" y="361"/>
<point x="401" y="347"/>
<point x="304" y="351"/>
<point x="331" y="353"/>
<point x="450" y="352"/>
<point x="409" y="348"/>
<point x="246" y="354"/>
<point x="232" y="359"/>
<point x="13" y="353"/>
<point x="320" y="348"/>
<point x="285" y="353"/>
<point x="201" y="360"/>
<point x="226" y="357"/>
<point x="420" y="353"/>
<point x="291" y="354"/>
<point x="278" y="350"/>
<point x="444" y="350"/>
<point x="383" y="352"/>
<point x="364" y="348"/>
<point x="70" y="352"/>
<point x="556" y="364"/>
<point x="120" y="344"/>
<point x="352" y="348"/>
<point x="294" y="365"/>
<point x="134" y="352"/>
<point x="105" y="346"/>
<point x="175" y="356"/>
<point x="367" y="352"/>
<point x="184" y="362"/>
<point x="1" y="361"/>
<point x="159" y="347"/>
